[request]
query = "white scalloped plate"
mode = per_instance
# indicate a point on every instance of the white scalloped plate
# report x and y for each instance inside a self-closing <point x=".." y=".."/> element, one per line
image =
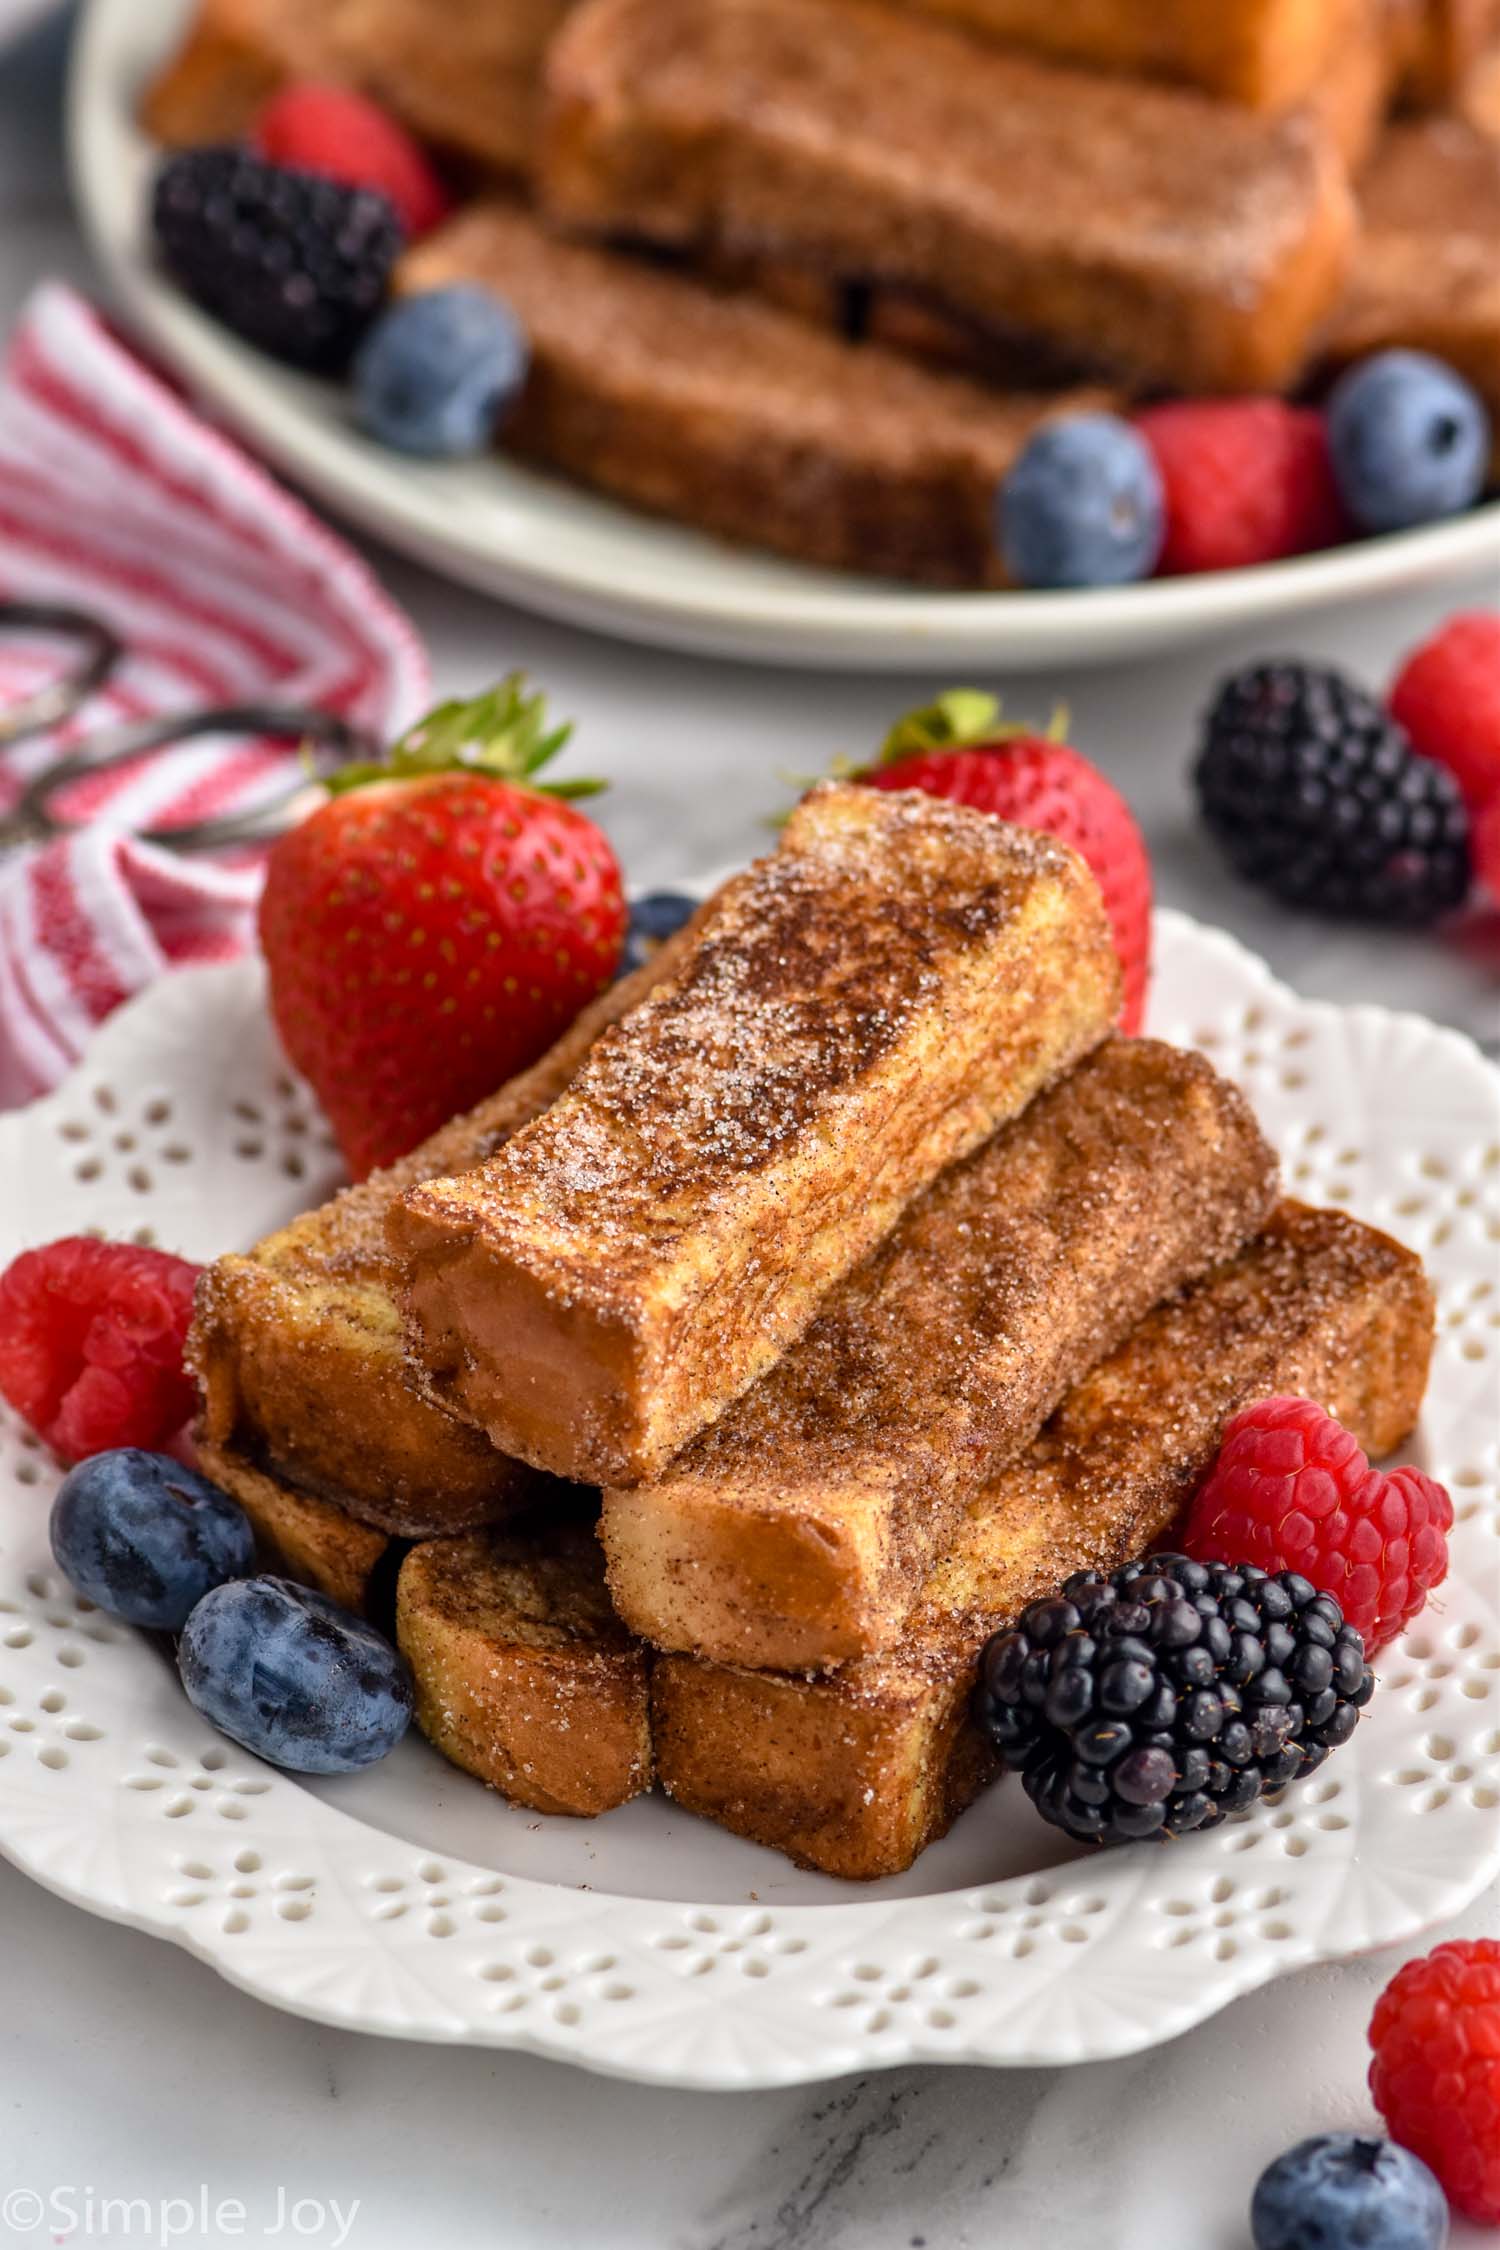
<point x="569" y="553"/>
<point x="412" y="1902"/>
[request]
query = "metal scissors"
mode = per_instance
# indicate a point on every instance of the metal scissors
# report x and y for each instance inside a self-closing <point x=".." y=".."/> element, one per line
<point x="328" y="739"/>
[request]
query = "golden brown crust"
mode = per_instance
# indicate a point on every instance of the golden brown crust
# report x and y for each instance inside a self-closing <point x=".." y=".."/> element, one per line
<point x="1268" y="54"/>
<point x="523" y="1674"/>
<point x="1352" y="100"/>
<point x="1178" y="239"/>
<point x="855" y="1013"/>
<point x="795" y="1533"/>
<point x="728" y="414"/>
<point x="297" y="1344"/>
<point x="309" y="1540"/>
<point x="1439" y="44"/>
<point x="857" y="1772"/>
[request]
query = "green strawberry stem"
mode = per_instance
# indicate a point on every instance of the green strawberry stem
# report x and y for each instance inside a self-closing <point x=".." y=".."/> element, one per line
<point x="503" y="734"/>
<point x="958" y="720"/>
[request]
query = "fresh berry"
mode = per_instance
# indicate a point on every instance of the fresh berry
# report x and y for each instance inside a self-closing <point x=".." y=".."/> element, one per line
<point x="91" y="1340"/>
<point x="1410" y="441"/>
<point x="1345" y="2191"/>
<point x="1291" y="1490"/>
<point x="654" y="917"/>
<point x="294" y="263"/>
<point x="438" y="373"/>
<point x="1436" y="2073"/>
<point x="290" y="1675"/>
<point x="1447" y="697"/>
<point x="1246" y="480"/>
<point x="1170" y="1695"/>
<point x="435" y="926"/>
<point x="145" y="1538"/>
<point x="1316" y="795"/>
<point x="1082" y="506"/>
<point x="342" y="134"/>
<point x="958" y="748"/>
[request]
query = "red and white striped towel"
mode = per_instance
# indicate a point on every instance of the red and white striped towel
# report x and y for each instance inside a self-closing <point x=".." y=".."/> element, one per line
<point x="115" y="498"/>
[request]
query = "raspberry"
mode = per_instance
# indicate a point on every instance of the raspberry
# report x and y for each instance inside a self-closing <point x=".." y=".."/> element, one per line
<point x="1436" y="2073"/>
<point x="91" y="1343"/>
<point x="1247" y="480"/>
<point x="1447" y="697"/>
<point x="1291" y="1490"/>
<point x="345" y="136"/>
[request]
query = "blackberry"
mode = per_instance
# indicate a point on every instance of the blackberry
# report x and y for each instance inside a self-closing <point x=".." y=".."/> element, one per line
<point x="293" y="262"/>
<point x="1170" y="1695"/>
<point x="1316" y="795"/>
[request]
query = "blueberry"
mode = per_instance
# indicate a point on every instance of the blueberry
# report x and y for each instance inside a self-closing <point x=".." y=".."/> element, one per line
<point x="654" y="916"/>
<point x="1082" y="506"/>
<point x="145" y="1538"/>
<point x="1410" y="441"/>
<point x="295" y="1678"/>
<point x="438" y="373"/>
<point x="1342" y="2191"/>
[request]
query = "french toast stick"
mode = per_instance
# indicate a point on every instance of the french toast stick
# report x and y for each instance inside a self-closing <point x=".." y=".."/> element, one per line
<point x="297" y="1345"/>
<point x="1427" y="272"/>
<point x="1349" y="103"/>
<point x="1179" y="240"/>
<point x="464" y="77"/>
<point x="310" y="1540"/>
<point x="797" y="1530"/>
<point x="726" y="413"/>
<point x="233" y="57"/>
<point x="854" y="1013"/>
<point x="466" y="80"/>
<point x="856" y="1772"/>
<point x="524" y="1676"/>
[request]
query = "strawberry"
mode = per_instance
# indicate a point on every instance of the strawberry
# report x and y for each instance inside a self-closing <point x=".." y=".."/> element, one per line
<point x="434" y="926"/>
<point x="312" y="127"/>
<point x="958" y="748"/>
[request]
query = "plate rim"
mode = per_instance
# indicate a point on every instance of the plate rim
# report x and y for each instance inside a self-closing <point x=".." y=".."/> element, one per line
<point x="348" y="1975"/>
<point x="724" y="602"/>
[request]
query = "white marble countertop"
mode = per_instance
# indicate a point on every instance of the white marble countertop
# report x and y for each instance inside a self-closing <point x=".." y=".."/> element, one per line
<point x="128" y="2071"/>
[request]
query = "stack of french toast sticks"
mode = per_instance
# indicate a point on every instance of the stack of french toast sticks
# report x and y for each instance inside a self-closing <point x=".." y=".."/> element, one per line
<point x="809" y="273"/>
<point x="841" y="1282"/>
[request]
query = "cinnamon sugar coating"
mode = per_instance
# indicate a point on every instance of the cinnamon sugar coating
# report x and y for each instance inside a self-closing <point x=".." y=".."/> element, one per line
<point x="795" y="1532"/>
<point x="297" y="1344"/>
<point x="857" y="1011"/>
<point x="855" y="1772"/>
